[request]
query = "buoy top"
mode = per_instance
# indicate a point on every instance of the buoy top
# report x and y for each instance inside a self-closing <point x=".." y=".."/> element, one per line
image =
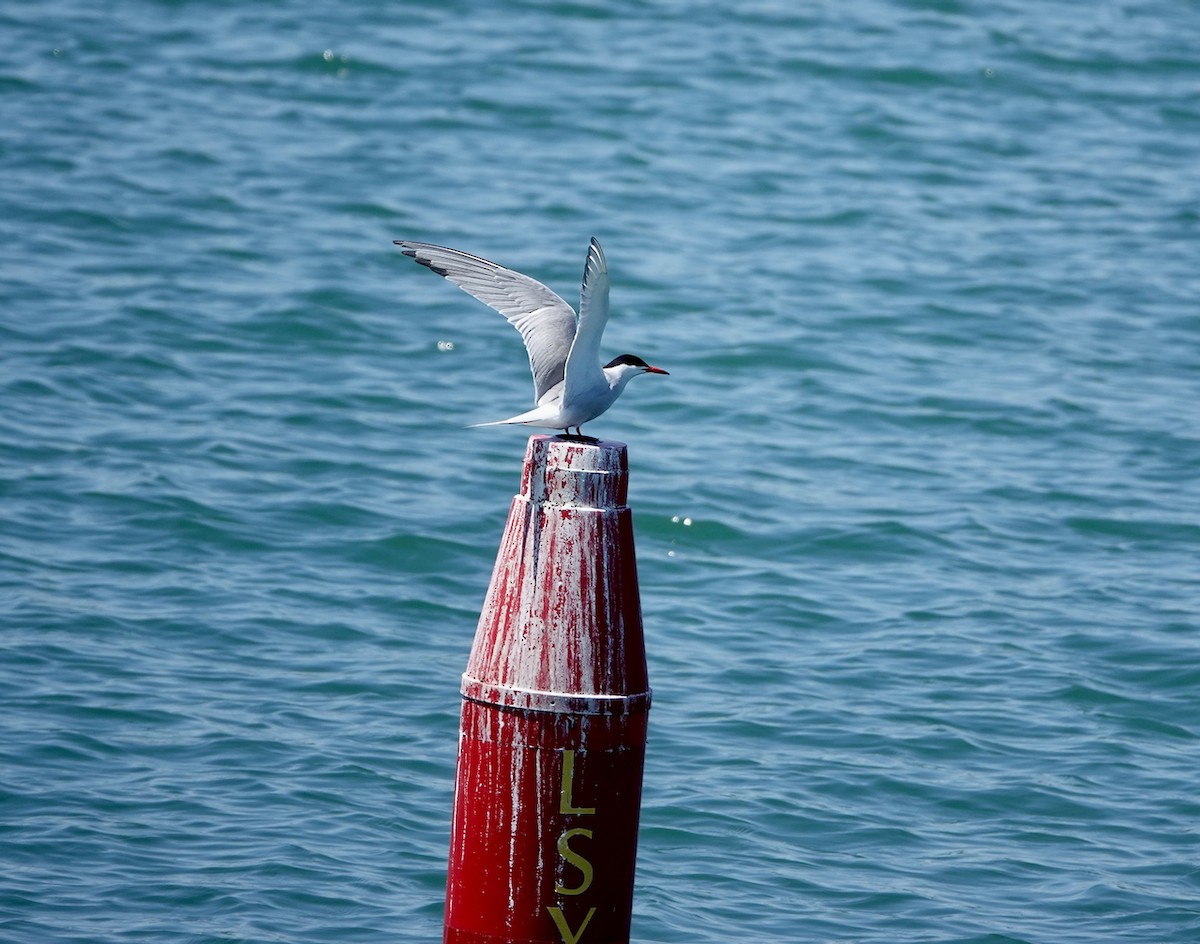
<point x="574" y="473"/>
<point x="561" y="628"/>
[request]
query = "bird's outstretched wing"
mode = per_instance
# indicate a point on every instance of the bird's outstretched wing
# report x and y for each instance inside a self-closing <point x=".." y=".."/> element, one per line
<point x="546" y="322"/>
<point x="583" y="362"/>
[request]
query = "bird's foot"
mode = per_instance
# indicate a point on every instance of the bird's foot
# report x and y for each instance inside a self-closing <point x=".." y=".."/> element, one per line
<point x="577" y="436"/>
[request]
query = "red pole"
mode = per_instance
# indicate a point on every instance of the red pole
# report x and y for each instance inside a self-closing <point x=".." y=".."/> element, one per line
<point x="555" y="701"/>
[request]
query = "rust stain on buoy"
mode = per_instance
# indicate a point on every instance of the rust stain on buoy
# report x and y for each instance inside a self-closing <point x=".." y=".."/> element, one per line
<point x="555" y="703"/>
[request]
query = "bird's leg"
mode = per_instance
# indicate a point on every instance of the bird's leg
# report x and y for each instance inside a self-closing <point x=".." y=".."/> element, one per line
<point x="578" y="434"/>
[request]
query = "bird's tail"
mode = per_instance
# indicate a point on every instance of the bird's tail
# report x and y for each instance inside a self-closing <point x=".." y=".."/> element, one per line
<point x="533" y="417"/>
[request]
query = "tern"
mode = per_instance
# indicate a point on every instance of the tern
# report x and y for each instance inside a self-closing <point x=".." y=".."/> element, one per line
<point x="570" y="386"/>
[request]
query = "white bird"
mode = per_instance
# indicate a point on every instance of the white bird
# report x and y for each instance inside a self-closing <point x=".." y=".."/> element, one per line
<point x="570" y="386"/>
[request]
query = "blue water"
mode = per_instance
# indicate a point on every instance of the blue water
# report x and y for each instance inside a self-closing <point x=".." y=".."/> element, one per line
<point x="918" y="509"/>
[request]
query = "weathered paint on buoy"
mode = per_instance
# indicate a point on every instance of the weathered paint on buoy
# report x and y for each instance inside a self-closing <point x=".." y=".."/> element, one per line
<point x="555" y="702"/>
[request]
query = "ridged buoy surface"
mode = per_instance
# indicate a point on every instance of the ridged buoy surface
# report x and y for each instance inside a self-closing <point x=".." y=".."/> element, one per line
<point x="555" y="702"/>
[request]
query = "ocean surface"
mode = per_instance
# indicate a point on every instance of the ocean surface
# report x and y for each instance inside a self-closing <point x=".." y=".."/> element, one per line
<point x="917" y="511"/>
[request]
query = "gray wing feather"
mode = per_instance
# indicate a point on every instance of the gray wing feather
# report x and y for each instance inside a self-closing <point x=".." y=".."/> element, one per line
<point x="546" y="322"/>
<point x="583" y="362"/>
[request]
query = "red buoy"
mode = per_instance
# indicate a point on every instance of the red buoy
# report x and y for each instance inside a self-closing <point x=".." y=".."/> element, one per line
<point x="555" y="701"/>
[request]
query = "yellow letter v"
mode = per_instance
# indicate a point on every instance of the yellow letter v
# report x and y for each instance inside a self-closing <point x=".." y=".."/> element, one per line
<point x="560" y="922"/>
